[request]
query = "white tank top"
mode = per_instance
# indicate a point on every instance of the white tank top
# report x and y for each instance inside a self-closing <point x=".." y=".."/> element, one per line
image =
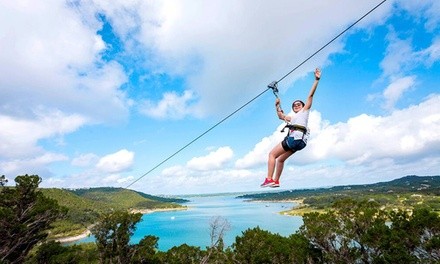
<point x="301" y="118"/>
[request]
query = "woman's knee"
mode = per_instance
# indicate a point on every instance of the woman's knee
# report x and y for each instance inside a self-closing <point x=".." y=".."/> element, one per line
<point x="271" y="156"/>
<point x="285" y="156"/>
<point x="280" y="162"/>
<point x="273" y="153"/>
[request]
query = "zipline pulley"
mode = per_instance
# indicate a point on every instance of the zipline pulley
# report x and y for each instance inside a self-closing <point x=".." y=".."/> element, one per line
<point x="274" y="87"/>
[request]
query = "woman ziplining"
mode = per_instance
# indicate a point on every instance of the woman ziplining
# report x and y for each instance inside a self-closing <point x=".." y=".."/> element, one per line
<point x="271" y="86"/>
<point x="297" y="136"/>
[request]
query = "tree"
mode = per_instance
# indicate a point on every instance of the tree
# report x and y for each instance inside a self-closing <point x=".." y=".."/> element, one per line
<point x="427" y="224"/>
<point x="359" y="232"/>
<point x="217" y="230"/>
<point x="52" y="252"/>
<point x="3" y="180"/>
<point x="113" y="233"/>
<point x="302" y="251"/>
<point x="261" y="246"/>
<point x="25" y="217"/>
<point x="348" y="234"/>
<point x="183" y="254"/>
<point x="145" y="251"/>
<point x="413" y="237"/>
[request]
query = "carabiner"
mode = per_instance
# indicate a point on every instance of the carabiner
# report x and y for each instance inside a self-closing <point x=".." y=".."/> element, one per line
<point x="274" y="87"/>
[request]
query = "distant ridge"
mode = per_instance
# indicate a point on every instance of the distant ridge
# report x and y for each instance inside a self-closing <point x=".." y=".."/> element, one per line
<point x="414" y="179"/>
<point x="409" y="183"/>
<point x="85" y="192"/>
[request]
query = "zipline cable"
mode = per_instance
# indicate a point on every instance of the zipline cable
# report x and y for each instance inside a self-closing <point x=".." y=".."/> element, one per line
<point x="201" y="135"/>
<point x="328" y="43"/>
<point x="270" y="86"/>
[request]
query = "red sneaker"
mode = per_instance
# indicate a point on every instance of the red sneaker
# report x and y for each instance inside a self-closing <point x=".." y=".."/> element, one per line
<point x="267" y="182"/>
<point x="275" y="184"/>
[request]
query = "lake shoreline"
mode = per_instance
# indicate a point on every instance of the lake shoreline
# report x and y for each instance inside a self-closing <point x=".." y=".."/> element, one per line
<point x="87" y="232"/>
<point x="191" y="226"/>
<point x="69" y="239"/>
<point x="149" y="211"/>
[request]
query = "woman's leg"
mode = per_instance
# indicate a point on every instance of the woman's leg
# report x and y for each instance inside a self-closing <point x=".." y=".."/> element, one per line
<point x="276" y="152"/>
<point x="280" y="164"/>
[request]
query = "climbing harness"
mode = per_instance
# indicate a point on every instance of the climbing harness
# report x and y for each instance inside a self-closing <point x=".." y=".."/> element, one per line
<point x="297" y="127"/>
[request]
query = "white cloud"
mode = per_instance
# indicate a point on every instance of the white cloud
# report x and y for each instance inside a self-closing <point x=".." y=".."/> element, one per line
<point x="404" y="134"/>
<point x="432" y="12"/>
<point x="51" y="56"/>
<point x="116" y="162"/>
<point x="260" y="153"/>
<point x="85" y="160"/>
<point x="172" y="106"/>
<point x="400" y="56"/>
<point x="213" y="161"/>
<point x="19" y="136"/>
<point x="362" y="139"/>
<point x="400" y="59"/>
<point x="216" y="45"/>
<point x="211" y="170"/>
<point x="53" y="79"/>
<point x="432" y="52"/>
<point x="183" y="180"/>
<point x="396" y="89"/>
<point x="113" y="179"/>
<point x="87" y="179"/>
<point x="109" y="170"/>
<point x="426" y="10"/>
<point x="37" y="164"/>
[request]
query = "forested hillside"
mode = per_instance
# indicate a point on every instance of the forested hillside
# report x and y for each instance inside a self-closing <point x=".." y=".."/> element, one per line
<point x="124" y="198"/>
<point x="404" y="193"/>
<point x="86" y="205"/>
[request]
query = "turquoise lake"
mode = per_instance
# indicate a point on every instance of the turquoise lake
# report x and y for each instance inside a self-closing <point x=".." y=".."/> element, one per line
<point x="192" y="226"/>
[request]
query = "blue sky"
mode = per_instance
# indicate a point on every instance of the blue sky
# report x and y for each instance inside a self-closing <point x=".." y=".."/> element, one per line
<point x="97" y="93"/>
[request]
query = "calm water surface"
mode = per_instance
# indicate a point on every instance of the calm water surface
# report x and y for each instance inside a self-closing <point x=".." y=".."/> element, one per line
<point x="192" y="226"/>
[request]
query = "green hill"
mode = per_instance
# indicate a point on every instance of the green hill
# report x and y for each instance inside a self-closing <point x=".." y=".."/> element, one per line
<point x="406" y="192"/>
<point x="85" y="205"/>
<point x="71" y="200"/>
